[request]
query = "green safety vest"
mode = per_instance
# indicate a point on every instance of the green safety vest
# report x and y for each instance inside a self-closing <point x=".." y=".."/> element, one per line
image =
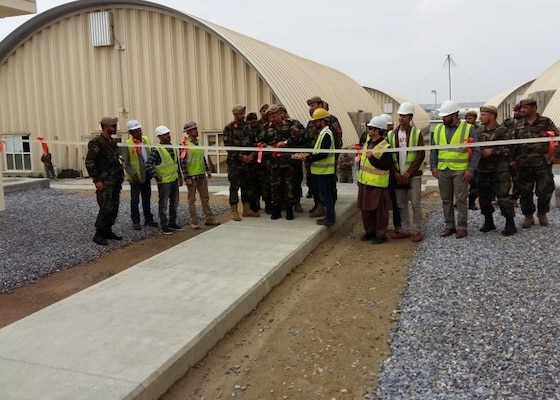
<point x="195" y="159"/>
<point x="410" y="155"/>
<point x="325" y="166"/>
<point x="368" y="174"/>
<point x="453" y="159"/>
<point x="133" y="156"/>
<point x="167" y="169"/>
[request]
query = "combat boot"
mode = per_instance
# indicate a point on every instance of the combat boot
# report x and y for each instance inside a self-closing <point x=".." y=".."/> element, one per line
<point x="255" y="206"/>
<point x="268" y="207"/>
<point x="510" y="228"/>
<point x="528" y="221"/>
<point x="543" y="219"/>
<point x="247" y="212"/>
<point x="234" y="213"/>
<point x="319" y="211"/>
<point x="99" y="239"/>
<point x="289" y="212"/>
<point x="472" y="204"/>
<point x="276" y="213"/>
<point x="488" y="223"/>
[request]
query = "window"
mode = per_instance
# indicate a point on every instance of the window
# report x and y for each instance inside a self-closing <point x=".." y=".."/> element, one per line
<point x="17" y="151"/>
<point x="216" y="158"/>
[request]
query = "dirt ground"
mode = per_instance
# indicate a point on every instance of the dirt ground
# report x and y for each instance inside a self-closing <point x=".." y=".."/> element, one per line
<point x="320" y="334"/>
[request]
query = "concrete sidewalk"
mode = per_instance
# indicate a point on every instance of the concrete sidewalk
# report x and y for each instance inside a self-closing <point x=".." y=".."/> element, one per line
<point x="133" y="335"/>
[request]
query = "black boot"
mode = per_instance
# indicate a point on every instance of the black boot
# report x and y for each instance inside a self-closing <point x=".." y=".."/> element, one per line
<point x="472" y="205"/>
<point x="488" y="223"/>
<point x="275" y="214"/>
<point x="254" y="205"/>
<point x="289" y="212"/>
<point x="268" y="207"/>
<point x="510" y="228"/>
<point x="100" y="239"/>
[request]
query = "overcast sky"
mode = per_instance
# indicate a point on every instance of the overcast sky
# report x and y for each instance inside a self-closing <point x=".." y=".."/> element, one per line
<point x="399" y="47"/>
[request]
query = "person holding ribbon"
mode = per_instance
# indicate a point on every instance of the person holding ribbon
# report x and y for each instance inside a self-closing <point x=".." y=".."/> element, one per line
<point x="135" y="156"/>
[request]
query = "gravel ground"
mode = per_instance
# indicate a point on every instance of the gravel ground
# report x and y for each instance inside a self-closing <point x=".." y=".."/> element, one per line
<point x="52" y="230"/>
<point x="479" y="318"/>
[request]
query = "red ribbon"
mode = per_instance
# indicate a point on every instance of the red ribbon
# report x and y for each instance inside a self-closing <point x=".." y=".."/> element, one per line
<point x="2" y="144"/>
<point x="260" y="153"/>
<point x="138" y="148"/>
<point x="185" y="150"/>
<point x="43" y="144"/>
<point x="552" y="144"/>
<point x="469" y="149"/>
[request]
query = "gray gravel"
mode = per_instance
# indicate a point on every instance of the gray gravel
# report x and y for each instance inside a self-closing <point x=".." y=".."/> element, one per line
<point x="47" y="230"/>
<point x="479" y="318"/>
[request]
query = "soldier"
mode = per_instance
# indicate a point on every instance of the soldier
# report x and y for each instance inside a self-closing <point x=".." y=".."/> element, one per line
<point x="195" y="169"/>
<point x="134" y="163"/>
<point x="164" y="165"/>
<point x="510" y="124"/>
<point x="104" y="167"/>
<point x="241" y="165"/>
<point x="533" y="162"/>
<point x="264" y="118"/>
<point x="453" y="167"/>
<point x="470" y="118"/>
<point x="493" y="172"/>
<point x="345" y="164"/>
<point x="46" y="159"/>
<point x="260" y="167"/>
<point x="407" y="172"/>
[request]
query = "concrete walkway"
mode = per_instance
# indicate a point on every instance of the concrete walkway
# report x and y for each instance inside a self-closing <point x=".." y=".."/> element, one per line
<point x="133" y="335"/>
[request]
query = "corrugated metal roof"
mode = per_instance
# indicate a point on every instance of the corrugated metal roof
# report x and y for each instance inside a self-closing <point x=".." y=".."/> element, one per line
<point x="548" y="81"/>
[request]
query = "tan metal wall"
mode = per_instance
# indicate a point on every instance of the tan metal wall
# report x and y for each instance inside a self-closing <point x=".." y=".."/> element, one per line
<point x="161" y="70"/>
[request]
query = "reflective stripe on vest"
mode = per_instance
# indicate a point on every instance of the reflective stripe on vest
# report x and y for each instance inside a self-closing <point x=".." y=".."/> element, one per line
<point x="133" y="156"/>
<point x="453" y="159"/>
<point x="368" y="174"/>
<point x="324" y="166"/>
<point x="167" y="169"/>
<point x="410" y="155"/>
<point x="195" y="159"/>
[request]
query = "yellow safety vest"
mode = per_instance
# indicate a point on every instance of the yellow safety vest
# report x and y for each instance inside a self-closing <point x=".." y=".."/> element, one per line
<point x="167" y="169"/>
<point x="410" y="155"/>
<point x="325" y="166"/>
<point x="368" y="174"/>
<point x="195" y="159"/>
<point x="453" y="159"/>
<point x="133" y="156"/>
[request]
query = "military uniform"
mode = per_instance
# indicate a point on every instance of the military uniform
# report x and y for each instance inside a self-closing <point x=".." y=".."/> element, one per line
<point x="103" y="165"/>
<point x="295" y="133"/>
<point x="345" y="164"/>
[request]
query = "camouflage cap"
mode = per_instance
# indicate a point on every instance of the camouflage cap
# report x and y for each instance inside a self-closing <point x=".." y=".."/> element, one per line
<point x="490" y="109"/>
<point x="238" y="108"/>
<point x="264" y="107"/>
<point x="528" y="101"/>
<point x="273" y="108"/>
<point x="282" y="107"/>
<point x="251" y="116"/>
<point x="109" y="121"/>
<point x="189" y="125"/>
<point x="517" y="107"/>
<point x="471" y="113"/>
<point x="314" y="99"/>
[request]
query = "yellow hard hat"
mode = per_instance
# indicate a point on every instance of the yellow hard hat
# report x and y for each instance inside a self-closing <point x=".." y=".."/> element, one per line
<point x="319" y="113"/>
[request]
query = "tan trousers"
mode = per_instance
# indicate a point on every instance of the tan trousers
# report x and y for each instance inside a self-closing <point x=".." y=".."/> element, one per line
<point x="201" y="185"/>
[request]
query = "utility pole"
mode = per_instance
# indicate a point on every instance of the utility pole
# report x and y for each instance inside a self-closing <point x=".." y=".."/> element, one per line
<point x="449" y="61"/>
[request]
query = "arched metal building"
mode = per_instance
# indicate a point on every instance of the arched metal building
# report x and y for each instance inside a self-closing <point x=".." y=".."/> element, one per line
<point x="63" y="70"/>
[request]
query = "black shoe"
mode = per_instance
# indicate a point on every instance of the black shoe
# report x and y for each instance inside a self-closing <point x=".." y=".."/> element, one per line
<point x="487" y="227"/>
<point x="98" y="239"/>
<point x="367" y="236"/>
<point x="276" y="214"/>
<point x="136" y="226"/>
<point x="510" y="228"/>
<point x="379" y="240"/>
<point x="151" y="223"/>
<point x="268" y="207"/>
<point x="113" y="236"/>
<point x="289" y="213"/>
<point x="309" y="195"/>
<point x="175" y="227"/>
<point x="326" y="222"/>
<point x="166" y="231"/>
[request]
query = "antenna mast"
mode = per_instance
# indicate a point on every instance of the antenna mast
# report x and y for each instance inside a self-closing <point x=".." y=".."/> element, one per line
<point x="449" y="61"/>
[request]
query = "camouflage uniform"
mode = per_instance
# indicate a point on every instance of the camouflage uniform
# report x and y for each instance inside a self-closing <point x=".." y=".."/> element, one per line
<point x="345" y="164"/>
<point x="103" y="164"/>
<point x="241" y="175"/>
<point x="493" y="172"/>
<point x="534" y="170"/>
<point x="295" y="133"/>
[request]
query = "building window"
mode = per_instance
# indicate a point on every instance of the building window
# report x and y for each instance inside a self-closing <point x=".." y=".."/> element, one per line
<point x="17" y="153"/>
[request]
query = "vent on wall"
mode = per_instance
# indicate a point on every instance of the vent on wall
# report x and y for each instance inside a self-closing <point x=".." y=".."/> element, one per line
<point x="100" y="29"/>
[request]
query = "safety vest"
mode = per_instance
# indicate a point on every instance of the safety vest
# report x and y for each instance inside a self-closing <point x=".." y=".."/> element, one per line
<point x="410" y="155"/>
<point x="167" y="168"/>
<point x="368" y="174"/>
<point x="453" y="159"/>
<point x="325" y="166"/>
<point x="133" y="156"/>
<point x="195" y="159"/>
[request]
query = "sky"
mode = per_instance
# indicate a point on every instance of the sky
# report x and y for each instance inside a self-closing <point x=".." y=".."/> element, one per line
<point x="398" y="47"/>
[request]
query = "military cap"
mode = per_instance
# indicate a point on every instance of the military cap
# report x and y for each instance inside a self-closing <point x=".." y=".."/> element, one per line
<point x="189" y="125"/>
<point x="471" y="113"/>
<point x="314" y="99"/>
<point x="273" y="108"/>
<point x="109" y="121"/>
<point x="263" y="107"/>
<point x="528" y="101"/>
<point x="490" y="109"/>
<point x="282" y="107"/>
<point x="238" y="108"/>
<point x="251" y="116"/>
<point x="517" y="107"/>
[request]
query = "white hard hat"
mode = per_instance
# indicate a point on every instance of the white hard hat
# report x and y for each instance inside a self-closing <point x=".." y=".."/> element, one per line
<point x="378" y="122"/>
<point x="162" y="130"/>
<point x="133" y="125"/>
<point x="448" y="107"/>
<point x="388" y="118"/>
<point x="406" y="108"/>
